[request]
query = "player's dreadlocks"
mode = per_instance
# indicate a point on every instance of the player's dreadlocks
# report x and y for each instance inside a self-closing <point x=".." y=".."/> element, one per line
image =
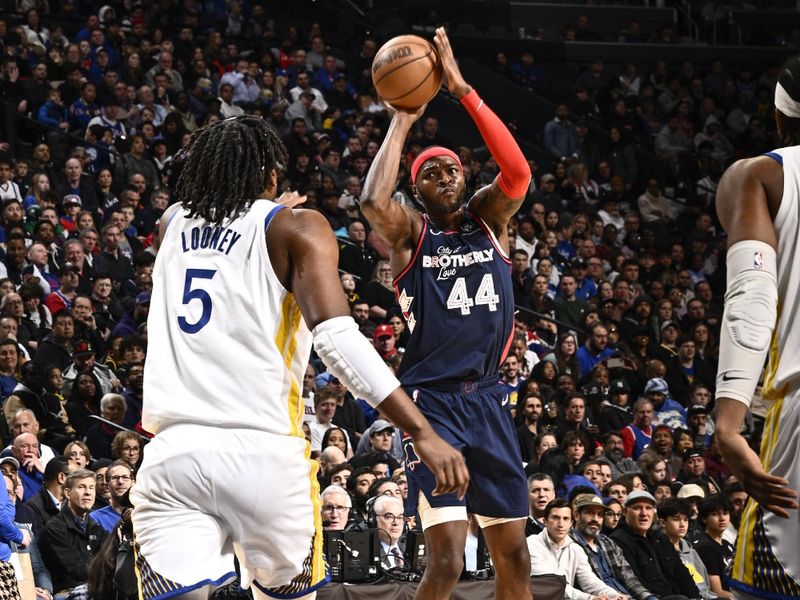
<point x="227" y="165"/>
<point x="789" y="78"/>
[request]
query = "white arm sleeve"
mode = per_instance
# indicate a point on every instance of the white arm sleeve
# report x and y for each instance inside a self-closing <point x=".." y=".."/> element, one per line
<point x="751" y="308"/>
<point x="349" y="356"/>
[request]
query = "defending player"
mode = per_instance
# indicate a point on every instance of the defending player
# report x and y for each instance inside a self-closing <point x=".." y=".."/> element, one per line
<point x="453" y="279"/>
<point x="238" y="282"/>
<point x="758" y="202"/>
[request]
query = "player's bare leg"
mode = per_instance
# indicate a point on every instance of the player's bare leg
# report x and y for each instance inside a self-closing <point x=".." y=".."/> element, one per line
<point x="445" y="544"/>
<point x="511" y="560"/>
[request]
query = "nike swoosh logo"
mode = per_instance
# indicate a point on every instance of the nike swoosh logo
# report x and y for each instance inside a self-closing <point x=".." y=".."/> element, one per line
<point x="725" y="377"/>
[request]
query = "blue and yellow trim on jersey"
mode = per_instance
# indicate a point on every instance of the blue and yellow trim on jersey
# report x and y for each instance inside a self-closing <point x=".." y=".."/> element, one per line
<point x="153" y="586"/>
<point x="314" y="573"/>
<point x="756" y="570"/>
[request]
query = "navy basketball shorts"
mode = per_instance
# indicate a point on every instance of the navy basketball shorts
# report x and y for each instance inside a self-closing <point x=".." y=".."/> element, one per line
<point x="473" y="417"/>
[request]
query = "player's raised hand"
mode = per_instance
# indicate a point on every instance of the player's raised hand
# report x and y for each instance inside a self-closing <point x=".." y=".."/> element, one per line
<point x="452" y="74"/>
<point x="446" y="463"/>
<point x="290" y="198"/>
<point x="400" y="114"/>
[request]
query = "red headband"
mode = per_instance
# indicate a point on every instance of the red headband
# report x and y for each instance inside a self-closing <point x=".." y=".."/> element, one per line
<point x="429" y="153"/>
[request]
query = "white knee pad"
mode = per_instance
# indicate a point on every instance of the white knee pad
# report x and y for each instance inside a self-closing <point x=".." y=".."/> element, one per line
<point x="751" y="305"/>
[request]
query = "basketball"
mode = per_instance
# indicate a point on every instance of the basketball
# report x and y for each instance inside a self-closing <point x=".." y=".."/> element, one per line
<point x="407" y="72"/>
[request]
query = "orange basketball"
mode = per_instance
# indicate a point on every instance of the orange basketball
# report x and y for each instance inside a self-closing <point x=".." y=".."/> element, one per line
<point x="407" y="72"/>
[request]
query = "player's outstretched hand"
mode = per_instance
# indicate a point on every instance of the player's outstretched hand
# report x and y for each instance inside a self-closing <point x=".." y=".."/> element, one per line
<point x="290" y="199"/>
<point x="769" y="491"/>
<point x="446" y="462"/>
<point x="399" y="114"/>
<point x="452" y="74"/>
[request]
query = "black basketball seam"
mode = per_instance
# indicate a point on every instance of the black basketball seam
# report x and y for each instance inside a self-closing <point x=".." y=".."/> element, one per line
<point x="385" y="75"/>
<point x="412" y="90"/>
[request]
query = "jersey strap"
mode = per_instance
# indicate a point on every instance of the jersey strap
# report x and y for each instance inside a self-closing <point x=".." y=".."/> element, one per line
<point x="271" y="214"/>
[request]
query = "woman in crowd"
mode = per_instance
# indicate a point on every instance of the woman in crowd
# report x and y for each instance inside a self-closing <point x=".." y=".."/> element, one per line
<point x="394" y="318"/>
<point x="653" y="468"/>
<point x="336" y="436"/>
<point x="78" y="455"/>
<point x="379" y="291"/>
<point x="84" y="401"/>
<point x="127" y="446"/>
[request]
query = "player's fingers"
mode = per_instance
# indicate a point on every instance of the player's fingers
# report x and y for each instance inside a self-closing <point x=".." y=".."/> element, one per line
<point x="776" y="511"/>
<point x="463" y="473"/>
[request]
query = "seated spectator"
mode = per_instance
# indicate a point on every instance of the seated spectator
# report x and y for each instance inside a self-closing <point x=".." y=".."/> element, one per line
<point x="389" y="519"/>
<point x="650" y="554"/>
<point x="673" y="518"/>
<point x="84" y="402"/>
<point x="605" y="557"/>
<point x="47" y="502"/>
<point x="716" y="552"/>
<point x="78" y="455"/>
<point x="554" y="552"/>
<point x="324" y="409"/>
<point x="120" y="478"/>
<point x="614" y="452"/>
<point x="71" y="538"/>
<point x="358" y="486"/>
<point x="636" y="436"/>
<point x="336" y="505"/>
<point x="103" y="493"/>
<point x="25" y="450"/>
<point x="540" y="492"/>
<point x="99" y="435"/>
<point x="127" y="446"/>
<point x="9" y="532"/>
<point x="381" y="437"/>
<point x="25" y="421"/>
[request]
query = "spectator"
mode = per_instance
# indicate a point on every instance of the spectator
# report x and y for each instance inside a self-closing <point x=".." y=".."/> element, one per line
<point x="25" y="450"/>
<point x="673" y="518"/>
<point x="71" y="538"/>
<point x="560" y="137"/>
<point x="594" y="350"/>
<point x="75" y="184"/>
<point x="127" y="446"/>
<point x="605" y="557"/>
<point x="554" y="552"/>
<point x="540" y="492"/>
<point x="650" y="554"/>
<point x="120" y="477"/>
<point x="9" y="532"/>
<point x="99" y="435"/>
<point x="47" y="502"/>
<point x="336" y="506"/>
<point x="389" y="518"/>
<point x="636" y="436"/>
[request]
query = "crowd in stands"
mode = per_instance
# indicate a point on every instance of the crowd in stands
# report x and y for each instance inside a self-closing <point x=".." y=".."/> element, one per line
<point x="618" y="277"/>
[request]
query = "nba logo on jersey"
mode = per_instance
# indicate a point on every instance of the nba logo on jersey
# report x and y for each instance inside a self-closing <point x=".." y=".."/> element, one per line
<point x="758" y="260"/>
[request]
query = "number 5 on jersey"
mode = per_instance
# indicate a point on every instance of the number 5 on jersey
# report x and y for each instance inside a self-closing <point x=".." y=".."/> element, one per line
<point x="190" y="294"/>
<point x="459" y="297"/>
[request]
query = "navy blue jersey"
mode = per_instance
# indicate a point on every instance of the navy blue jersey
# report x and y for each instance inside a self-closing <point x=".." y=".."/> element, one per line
<point x="457" y="298"/>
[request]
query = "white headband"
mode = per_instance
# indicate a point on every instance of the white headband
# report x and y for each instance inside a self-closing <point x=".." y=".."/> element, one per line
<point x="785" y="103"/>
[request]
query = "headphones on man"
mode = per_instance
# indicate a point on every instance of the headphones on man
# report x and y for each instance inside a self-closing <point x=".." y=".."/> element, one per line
<point x="372" y="517"/>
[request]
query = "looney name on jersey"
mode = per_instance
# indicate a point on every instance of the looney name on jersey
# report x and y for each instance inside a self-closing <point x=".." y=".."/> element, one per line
<point x="448" y="263"/>
<point x="216" y="238"/>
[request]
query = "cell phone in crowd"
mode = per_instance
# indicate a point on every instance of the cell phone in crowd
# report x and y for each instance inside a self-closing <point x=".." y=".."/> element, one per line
<point x="616" y="363"/>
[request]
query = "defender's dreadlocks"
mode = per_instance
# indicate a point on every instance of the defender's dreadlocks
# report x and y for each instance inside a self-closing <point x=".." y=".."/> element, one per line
<point x="226" y="165"/>
<point x="789" y="78"/>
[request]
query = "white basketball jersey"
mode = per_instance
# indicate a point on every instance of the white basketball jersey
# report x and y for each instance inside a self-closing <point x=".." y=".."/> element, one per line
<point x="227" y="345"/>
<point x="783" y="369"/>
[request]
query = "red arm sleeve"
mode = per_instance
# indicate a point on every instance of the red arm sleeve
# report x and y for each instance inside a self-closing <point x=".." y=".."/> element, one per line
<point x="515" y="174"/>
